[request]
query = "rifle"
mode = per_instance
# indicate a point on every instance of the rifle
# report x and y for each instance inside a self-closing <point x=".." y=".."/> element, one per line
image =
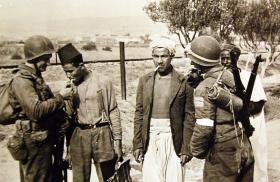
<point x="239" y="87"/>
<point x="59" y="166"/>
<point x="244" y="114"/>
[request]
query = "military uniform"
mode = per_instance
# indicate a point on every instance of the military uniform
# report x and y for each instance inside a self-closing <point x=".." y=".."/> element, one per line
<point x="217" y="136"/>
<point x="40" y="112"/>
<point x="224" y="145"/>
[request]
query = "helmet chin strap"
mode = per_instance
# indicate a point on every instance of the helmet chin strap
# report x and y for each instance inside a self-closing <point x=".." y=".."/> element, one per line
<point x="34" y="63"/>
<point x="38" y="72"/>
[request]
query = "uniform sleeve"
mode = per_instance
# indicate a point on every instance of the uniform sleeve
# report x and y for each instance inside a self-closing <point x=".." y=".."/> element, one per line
<point x="114" y="112"/>
<point x="29" y="101"/>
<point x="138" y="118"/>
<point x="189" y="120"/>
<point x="203" y="132"/>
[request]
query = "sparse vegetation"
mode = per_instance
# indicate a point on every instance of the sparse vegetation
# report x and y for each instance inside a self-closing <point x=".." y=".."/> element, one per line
<point x="253" y="21"/>
<point x="16" y="55"/>
<point x="146" y="38"/>
<point x="5" y="51"/>
<point x="55" y="77"/>
<point x="187" y="18"/>
<point x="107" y="48"/>
<point x="90" y="46"/>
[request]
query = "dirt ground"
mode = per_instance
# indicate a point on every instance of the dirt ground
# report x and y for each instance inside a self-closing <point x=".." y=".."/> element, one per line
<point x="55" y="77"/>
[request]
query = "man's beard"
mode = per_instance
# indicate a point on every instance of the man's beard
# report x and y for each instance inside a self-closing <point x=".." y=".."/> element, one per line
<point x="164" y="72"/>
<point x="78" y="81"/>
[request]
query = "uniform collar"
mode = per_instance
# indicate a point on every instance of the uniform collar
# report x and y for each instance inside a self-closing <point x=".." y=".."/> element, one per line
<point x="27" y="70"/>
<point x="213" y="70"/>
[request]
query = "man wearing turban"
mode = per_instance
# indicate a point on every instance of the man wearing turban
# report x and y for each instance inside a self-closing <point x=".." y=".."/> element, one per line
<point x="164" y="118"/>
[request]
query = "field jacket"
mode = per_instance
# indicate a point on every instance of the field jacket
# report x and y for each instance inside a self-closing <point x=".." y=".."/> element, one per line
<point x="35" y="98"/>
<point x="223" y="129"/>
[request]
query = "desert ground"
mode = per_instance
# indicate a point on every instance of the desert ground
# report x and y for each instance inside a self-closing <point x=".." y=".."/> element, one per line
<point x="56" y="79"/>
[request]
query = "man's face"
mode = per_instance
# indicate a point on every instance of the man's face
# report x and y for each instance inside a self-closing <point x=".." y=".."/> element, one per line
<point x="43" y="62"/>
<point x="162" y="59"/>
<point x="225" y="58"/>
<point x="74" y="73"/>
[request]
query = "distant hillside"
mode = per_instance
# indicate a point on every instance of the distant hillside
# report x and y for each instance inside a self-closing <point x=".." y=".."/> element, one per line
<point x="82" y="26"/>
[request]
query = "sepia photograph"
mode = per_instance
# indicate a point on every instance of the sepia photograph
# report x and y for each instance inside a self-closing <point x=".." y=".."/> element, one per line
<point x="139" y="90"/>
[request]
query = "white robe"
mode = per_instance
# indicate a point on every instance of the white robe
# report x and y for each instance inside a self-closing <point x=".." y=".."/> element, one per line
<point x="259" y="139"/>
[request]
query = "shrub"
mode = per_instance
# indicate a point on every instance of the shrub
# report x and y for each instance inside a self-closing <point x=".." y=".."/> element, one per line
<point x="107" y="48"/>
<point x="16" y="55"/>
<point x="90" y="46"/>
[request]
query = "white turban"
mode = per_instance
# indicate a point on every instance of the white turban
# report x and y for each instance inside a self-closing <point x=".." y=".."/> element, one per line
<point x="164" y="42"/>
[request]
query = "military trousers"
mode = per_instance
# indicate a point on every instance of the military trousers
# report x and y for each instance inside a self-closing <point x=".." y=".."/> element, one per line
<point x="37" y="166"/>
<point x="89" y="146"/>
<point x="230" y="161"/>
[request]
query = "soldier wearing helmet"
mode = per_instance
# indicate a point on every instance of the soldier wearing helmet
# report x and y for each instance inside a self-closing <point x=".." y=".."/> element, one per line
<point x="217" y="136"/>
<point x="39" y="109"/>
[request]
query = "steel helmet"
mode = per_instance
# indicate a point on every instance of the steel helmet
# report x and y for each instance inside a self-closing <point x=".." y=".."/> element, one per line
<point x="205" y="51"/>
<point x="37" y="46"/>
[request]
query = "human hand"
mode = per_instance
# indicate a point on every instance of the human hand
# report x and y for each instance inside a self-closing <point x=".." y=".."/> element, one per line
<point x="68" y="160"/>
<point x="185" y="159"/>
<point x="194" y="77"/>
<point x="234" y="55"/>
<point x="138" y="155"/>
<point x="118" y="150"/>
<point x="66" y="93"/>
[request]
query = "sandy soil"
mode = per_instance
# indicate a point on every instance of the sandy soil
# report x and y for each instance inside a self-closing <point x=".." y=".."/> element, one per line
<point x="9" y="167"/>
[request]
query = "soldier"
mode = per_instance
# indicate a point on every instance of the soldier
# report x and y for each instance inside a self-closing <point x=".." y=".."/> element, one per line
<point x="217" y="136"/>
<point x="39" y="110"/>
<point x="97" y="134"/>
<point x="164" y="118"/>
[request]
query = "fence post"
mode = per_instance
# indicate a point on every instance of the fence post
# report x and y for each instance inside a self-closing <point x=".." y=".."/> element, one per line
<point x="55" y="58"/>
<point x="122" y="70"/>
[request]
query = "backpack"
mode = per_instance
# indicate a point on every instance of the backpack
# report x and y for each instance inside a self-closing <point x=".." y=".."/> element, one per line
<point x="8" y="115"/>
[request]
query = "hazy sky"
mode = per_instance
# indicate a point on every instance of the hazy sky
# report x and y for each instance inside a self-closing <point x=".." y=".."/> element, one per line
<point x="21" y="18"/>
<point x="66" y="9"/>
